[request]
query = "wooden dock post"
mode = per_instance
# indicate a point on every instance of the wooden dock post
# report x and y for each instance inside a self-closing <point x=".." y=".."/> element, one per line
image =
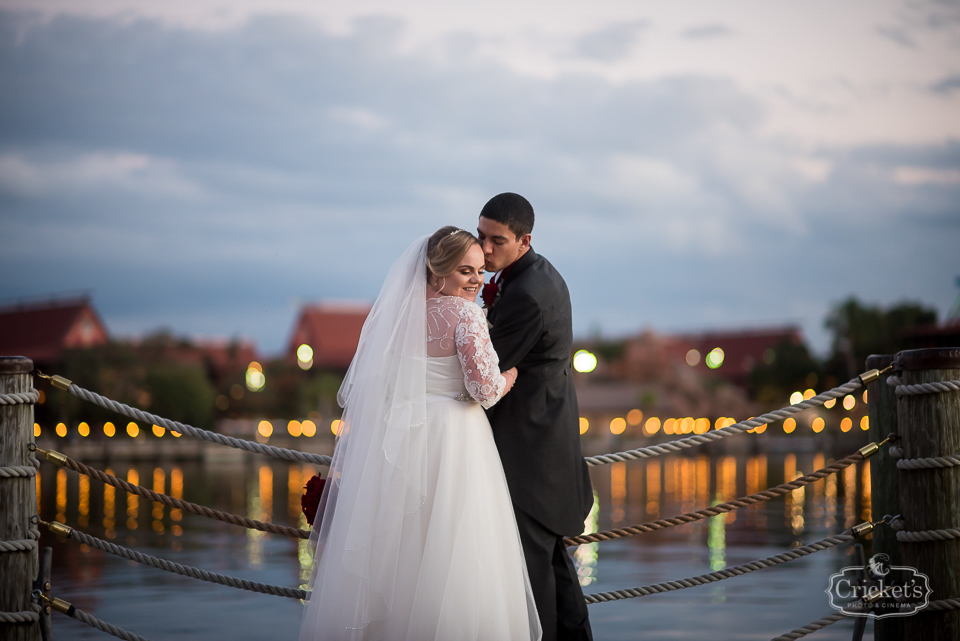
<point x="929" y="426"/>
<point x="18" y="496"/>
<point x="884" y="480"/>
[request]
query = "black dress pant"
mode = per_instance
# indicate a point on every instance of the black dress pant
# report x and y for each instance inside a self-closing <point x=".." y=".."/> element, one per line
<point x="556" y="588"/>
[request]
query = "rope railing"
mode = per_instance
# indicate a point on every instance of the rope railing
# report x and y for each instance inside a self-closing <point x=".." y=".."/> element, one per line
<point x="169" y="566"/>
<point x="736" y="428"/>
<point x="16" y="398"/>
<point x="71" y="611"/>
<point x="181" y="428"/>
<point x="938" y="387"/>
<point x="729" y="506"/>
<point x="193" y="508"/>
<point x="819" y="624"/>
<point x="739" y="570"/>
<point x="26" y="616"/>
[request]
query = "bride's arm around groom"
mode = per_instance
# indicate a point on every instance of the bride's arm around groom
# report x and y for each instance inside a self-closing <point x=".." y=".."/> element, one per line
<point x="536" y="426"/>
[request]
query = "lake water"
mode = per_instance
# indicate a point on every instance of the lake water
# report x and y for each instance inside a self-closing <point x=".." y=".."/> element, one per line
<point x="159" y="605"/>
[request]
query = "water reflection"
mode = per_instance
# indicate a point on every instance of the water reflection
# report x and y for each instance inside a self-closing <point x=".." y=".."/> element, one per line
<point x="625" y="494"/>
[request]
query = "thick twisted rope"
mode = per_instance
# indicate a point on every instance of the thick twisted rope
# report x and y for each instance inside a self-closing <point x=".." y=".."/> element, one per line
<point x="195" y="432"/>
<point x="925" y="463"/>
<point x="937" y="387"/>
<point x="14" y="471"/>
<point x="736" y="428"/>
<point x="176" y="568"/>
<point x="18" y="545"/>
<point x="109" y="628"/>
<point x="16" y="398"/>
<point x="729" y="506"/>
<point x="923" y="536"/>
<point x="720" y="575"/>
<point x="31" y="616"/>
<point x="186" y="506"/>
<point x="62" y="606"/>
<point x="819" y="624"/>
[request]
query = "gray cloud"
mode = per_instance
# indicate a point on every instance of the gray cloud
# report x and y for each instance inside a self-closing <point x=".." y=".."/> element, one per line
<point x="200" y="179"/>
<point x="708" y="31"/>
<point x="611" y="43"/>
<point x="946" y="86"/>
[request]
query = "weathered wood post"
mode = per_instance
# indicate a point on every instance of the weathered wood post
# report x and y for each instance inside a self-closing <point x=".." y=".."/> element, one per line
<point x="18" y="498"/>
<point x="929" y="426"/>
<point x="884" y="479"/>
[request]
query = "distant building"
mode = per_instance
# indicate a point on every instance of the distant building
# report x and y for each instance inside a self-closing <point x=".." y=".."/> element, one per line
<point x="332" y="332"/>
<point x="42" y="331"/>
<point x="742" y="350"/>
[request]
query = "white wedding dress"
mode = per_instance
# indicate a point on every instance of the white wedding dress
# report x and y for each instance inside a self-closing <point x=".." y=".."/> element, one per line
<point x="453" y="568"/>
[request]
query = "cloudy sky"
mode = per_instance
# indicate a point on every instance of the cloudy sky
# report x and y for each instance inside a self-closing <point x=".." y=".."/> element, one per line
<point x="207" y="166"/>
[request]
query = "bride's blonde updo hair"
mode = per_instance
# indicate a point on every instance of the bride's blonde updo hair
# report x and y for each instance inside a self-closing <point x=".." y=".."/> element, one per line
<point x="446" y="248"/>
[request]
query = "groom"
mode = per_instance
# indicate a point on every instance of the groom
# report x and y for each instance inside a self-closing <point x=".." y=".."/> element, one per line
<point x="536" y="426"/>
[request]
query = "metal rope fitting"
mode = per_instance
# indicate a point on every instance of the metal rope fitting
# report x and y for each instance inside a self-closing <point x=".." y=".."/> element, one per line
<point x="862" y="529"/>
<point x="57" y="604"/>
<point x="56" y="527"/>
<point x="865" y="378"/>
<point x="55" y="457"/>
<point x="866" y="451"/>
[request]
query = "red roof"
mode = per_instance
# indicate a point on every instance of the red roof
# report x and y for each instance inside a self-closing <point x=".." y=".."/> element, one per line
<point x="41" y="331"/>
<point x="332" y="330"/>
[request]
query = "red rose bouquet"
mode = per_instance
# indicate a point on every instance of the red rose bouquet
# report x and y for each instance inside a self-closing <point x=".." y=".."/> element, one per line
<point x="310" y="500"/>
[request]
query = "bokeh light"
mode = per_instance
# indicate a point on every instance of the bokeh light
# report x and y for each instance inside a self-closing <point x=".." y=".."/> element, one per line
<point x="693" y="357"/>
<point x="617" y="426"/>
<point x="133" y="430"/>
<point x="846" y="424"/>
<point x="715" y="358"/>
<point x="305" y="356"/>
<point x="265" y="429"/>
<point x="829" y="404"/>
<point x="796" y="397"/>
<point x="584" y="362"/>
<point x="760" y="429"/>
<point x="335" y="426"/>
<point x="308" y="428"/>
<point x="701" y="425"/>
<point x="83" y="430"/>
<point x="652" y="426"/>
<point x="584" y="425"/>
<point x="808" y="394"/>
<point x="849" y="402"/>
<point x="61" y="430"/>
<point x="865" y="396"/>
<point x="254" y="378"/>
<point x="158" y="431"/>
<point x="36" y="430"/>
<point x="789" y="425"/>
<point x="818" y="424"/>
<point x="670" y="426"/>
<point x="686" y="425"/>
<point x="109" y="429"/>
<point x="634" y="417"/>
<point x="294" y="428"/>
<point x="865" y="423"/>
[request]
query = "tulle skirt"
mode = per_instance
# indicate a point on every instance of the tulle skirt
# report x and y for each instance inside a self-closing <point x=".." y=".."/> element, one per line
<point x="460" y="572"/>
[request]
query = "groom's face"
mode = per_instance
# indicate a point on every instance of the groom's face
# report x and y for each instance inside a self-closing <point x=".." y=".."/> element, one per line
<point x="501" y="247"/>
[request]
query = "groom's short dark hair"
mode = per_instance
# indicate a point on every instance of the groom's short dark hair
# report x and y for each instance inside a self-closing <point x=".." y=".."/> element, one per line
<point x="513" y="210"/>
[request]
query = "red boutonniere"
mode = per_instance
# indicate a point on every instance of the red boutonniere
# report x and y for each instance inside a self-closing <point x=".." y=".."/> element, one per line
<point x="490" y="294"/>
<point x="310" y="500"/>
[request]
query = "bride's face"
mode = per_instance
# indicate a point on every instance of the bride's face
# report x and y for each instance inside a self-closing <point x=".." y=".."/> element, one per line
<point x="467" y="279"/>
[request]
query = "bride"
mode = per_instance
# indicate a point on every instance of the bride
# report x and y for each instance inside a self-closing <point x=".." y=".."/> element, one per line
<point x="415" y="534"/>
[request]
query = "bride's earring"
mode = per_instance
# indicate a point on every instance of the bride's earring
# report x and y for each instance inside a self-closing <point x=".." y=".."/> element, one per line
<point x="440" y="289"/>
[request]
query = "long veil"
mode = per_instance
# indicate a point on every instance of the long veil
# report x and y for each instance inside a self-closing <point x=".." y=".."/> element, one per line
<point x="378" y="476"/>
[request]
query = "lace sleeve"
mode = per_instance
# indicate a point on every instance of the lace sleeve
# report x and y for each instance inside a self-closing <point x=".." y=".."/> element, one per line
<point x="481" y="371"/>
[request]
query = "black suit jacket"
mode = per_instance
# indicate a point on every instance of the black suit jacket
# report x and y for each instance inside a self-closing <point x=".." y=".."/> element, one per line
<point x="537" y="424"/>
